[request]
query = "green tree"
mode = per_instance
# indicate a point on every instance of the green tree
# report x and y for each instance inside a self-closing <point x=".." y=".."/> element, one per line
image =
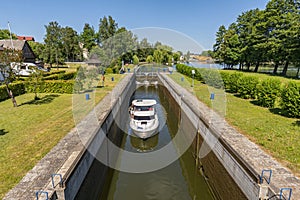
<point x="5" y="34"/>
<point x="144" y="49"/>
<point x="176" y="56"/>
<point x="88" y="37"/>
<point x="107" y="28"/>
<point x="36" y="81"/>
<point x="219" y="47"/>
<point x="9" y="58"/>
<point x="37" y="49"/>
<point x="149" y="59"/>
<point x="158" y="56"/>
<point x="135" y="60"/>
<point x="53" y="44"/>
<point x="70" y="44"/>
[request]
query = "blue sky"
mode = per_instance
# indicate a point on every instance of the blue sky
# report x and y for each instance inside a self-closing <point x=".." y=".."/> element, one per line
<point x="197" y="19"/>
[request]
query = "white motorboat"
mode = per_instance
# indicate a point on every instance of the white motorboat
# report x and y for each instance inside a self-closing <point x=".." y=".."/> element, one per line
<point x="143" y="118"/>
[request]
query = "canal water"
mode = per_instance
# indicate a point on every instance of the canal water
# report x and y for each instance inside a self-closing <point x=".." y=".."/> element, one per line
<point x="179" y="180"/>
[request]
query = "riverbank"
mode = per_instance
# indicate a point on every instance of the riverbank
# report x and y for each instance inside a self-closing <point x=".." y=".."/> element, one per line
<point x="276" y="134"/>
<point x="30" y="131"/>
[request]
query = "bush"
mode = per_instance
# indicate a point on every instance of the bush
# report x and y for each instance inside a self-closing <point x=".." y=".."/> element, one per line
<point x="247" y="87"/>
<point x="290" y="99"/>
<point x="109" y="71"/>
<point x="53" y="72"/>
<point x="17" y="88"/>
<point x="61" y="76"/>
<point x="233" y="82"/>
<point x="212" y="77"/>
<point x="267" y="92"/>
<point x="187" y="70"/>
<point x="226" y="79"/>
<point x="53" y="87"/>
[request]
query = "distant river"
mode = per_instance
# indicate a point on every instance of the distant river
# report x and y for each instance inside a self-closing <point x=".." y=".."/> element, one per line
<point x="205" y="65"/>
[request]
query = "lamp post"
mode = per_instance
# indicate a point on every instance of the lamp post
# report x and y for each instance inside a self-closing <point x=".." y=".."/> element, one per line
<point x="193" y="73"/>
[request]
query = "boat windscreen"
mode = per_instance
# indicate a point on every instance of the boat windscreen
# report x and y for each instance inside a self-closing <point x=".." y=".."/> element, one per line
<point x="144" y="117"/>
<point x="143" y="108"/>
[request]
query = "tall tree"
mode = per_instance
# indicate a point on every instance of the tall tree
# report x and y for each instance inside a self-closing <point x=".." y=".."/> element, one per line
<point x="70" y="44"/>
<point x="37" y="49"/>
<point x="88" y="37"/>
<point x="158" y="56"/>
<point x="53" y="44"/>
<point x="219" y="48"/>
<point x="107" y="28"/>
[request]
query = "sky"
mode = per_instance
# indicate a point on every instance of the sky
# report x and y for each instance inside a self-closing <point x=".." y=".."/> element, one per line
<point x="186" y="24"/>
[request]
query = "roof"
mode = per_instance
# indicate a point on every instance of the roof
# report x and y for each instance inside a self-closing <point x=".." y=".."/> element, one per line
<point x="144" y="102"/>
<point x="94" y="60"/>
<point x="17" y="44"/>
<point x="27" y="38"/>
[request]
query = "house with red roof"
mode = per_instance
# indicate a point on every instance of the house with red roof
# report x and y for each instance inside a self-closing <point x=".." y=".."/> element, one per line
<point x="27" y="38"/>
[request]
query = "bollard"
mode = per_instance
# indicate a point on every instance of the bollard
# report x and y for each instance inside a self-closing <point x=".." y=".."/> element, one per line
<point x="212" y="96"/>
<point x="87" y="96"/>
<point x="112" y="78"/>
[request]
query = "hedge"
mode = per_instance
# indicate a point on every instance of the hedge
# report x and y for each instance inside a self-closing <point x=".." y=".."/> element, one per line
<point x="250" y="87"/>
<point x="290" y="99"/>
<point x="61" y="76"/>
<point x="211" y="77"/>
<point x="53" y="87"/>
<point x="231" y="81"/>
<point x="247" y="86"/>
<point x="17" y="88"/>
<point x="268" y="91"/>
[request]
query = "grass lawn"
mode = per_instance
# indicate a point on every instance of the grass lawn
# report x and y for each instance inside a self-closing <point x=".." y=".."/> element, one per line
<point x="29" y="131"/>
<point x="276" y="134"/>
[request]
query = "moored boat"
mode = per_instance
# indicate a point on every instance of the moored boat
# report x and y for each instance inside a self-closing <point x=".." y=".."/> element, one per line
<point x="143" y="118"/>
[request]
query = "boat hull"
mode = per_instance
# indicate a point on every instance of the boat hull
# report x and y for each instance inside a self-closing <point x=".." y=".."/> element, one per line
<point x="144" y="132"/>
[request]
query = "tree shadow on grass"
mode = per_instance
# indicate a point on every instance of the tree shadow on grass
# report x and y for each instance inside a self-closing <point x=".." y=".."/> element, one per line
<point x="277" y="111"/>
<point x="3" y="132"/>
<point x="255" y="102"/>
<point x="296" y="123"/>
<point x="283" y="113"/>
<point x="44" y="100"/>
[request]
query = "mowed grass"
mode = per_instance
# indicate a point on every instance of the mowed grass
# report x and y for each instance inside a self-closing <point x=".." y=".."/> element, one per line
<point x="276" y="134"/>
<point x="29" y="131"/>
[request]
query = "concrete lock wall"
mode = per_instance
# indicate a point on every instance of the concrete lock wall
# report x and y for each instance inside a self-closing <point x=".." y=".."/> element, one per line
<point x="230" y="172"/>
<point x="221" y="152"/>
<point x="97" y="145"/>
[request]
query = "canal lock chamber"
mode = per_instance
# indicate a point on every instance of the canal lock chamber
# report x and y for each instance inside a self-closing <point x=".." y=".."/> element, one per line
<point x="187" y="177"/>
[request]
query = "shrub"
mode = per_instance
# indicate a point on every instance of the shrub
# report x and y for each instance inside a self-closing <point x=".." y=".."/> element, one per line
<point x="17" y="88"/>
<point x="187" y="70"/>
<point x="226" y="79"/>
<point x="53" y="87"/>
<point x="53" y="72"/>
<point x="61" y="76"/>
<point x="233" y="82"/>
<point x="212" y="78"/>
<point x="267" y="92"/>
<point x="109" y="71"/>
<point x="247" y="86"/>
<point x="290" y="99"/>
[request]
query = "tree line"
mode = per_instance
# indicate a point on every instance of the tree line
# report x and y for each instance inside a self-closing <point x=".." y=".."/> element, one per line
<point x="109" y="43"/>
<point x="271" y="35"/>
